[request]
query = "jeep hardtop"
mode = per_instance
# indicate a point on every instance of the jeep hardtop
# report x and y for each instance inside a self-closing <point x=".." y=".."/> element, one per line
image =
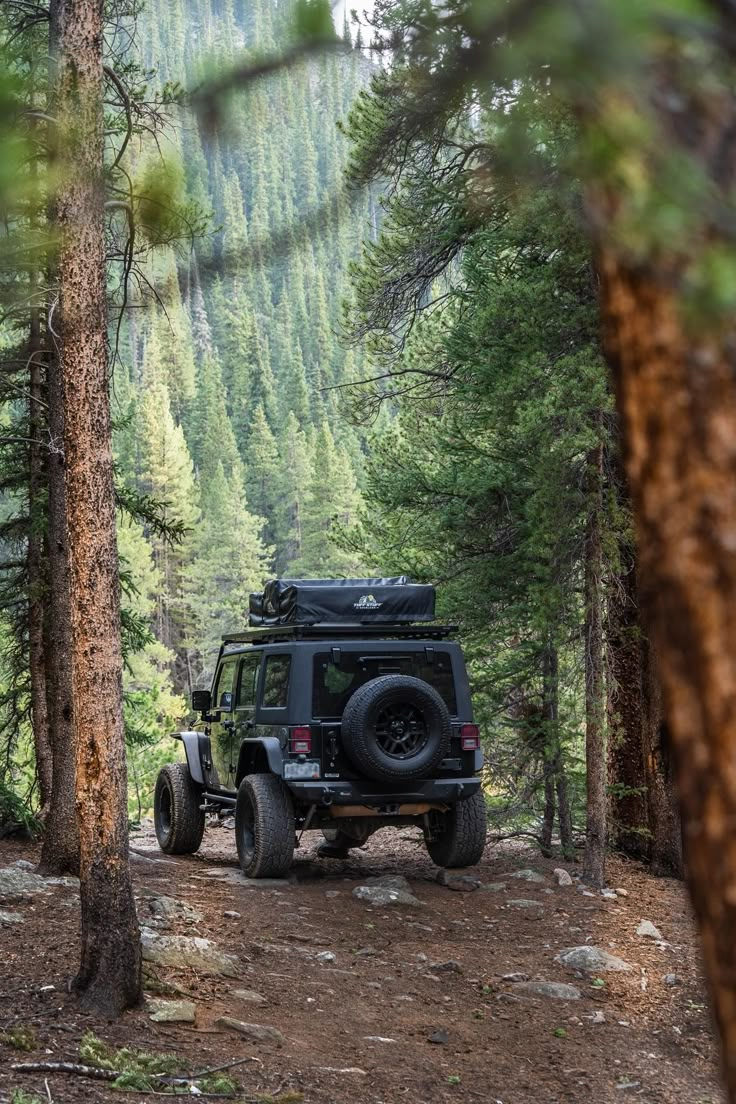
<point x="343" y="726"/>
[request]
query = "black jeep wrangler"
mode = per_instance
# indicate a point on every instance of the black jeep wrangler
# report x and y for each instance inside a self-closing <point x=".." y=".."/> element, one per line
<point x="338" y="710"/>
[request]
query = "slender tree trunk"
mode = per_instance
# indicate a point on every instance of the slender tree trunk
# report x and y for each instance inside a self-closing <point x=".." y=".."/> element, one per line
<point x="664" y="813"/>
<point x="60" y="851"/>
<point x="594" y="859"/>
<point x="548" y="817"/>
<point x="36" y="562"/>
<point x="629" y="816"/>
<point x="677" y="403"/>
<point x="110" y="976"/>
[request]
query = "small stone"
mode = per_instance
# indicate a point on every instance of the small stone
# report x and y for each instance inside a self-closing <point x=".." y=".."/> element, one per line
<point x="383" y="895"/>
<point x="374" y="985"/>
<point x="609" y="893"/>
<point x="158" y="906"/>
<point x="378" y="1039"/>
<point x="230" y="914"/>
<point x="597" y="1017"/>
<point x="366" y="952"/>
<point x="449" y="967"/>
<point x="562" y="877"/>
<point x="164" y="1011"/>
<point x="622" y="893"/>
<point x="326" y="956"/>
<point x="515" y="977"/>
<point x="554" y="989"/>
<point x="492" y="887"/>
<point x="10" y="918"/>
<point x="23" y="864"/>
<point x="672" y="979"/>
<point x="332" y="893"/>
<point x="248" y="995"/>
<point x="650" y="930"/>
<point x="421" y="957"/>
<point x="461" y="883"/>
<point x="528" y="876"/>
<point x="524" y="903"/>
<point x="440" y="1037"/>
<point x="256" y="1033"/>
<point x="591" y="959"/>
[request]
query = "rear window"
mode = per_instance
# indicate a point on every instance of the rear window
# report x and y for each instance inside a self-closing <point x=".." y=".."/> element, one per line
<point x="333" y="685"/>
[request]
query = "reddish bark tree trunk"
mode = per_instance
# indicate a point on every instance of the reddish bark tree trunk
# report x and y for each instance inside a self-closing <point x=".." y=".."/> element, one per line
<point x="677" y="403"/>
<point x="594" y="859"/>
<point x="110" y="977"/>
<point x="665" y="830"/>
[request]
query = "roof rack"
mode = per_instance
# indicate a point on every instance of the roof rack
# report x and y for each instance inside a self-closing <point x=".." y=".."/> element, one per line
<point x="279" y="634"/>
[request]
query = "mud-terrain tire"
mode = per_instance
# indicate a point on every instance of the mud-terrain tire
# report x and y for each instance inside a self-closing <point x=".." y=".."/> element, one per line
<point x="177" y="817"/>
<point x="461" y="835"/>
<point x="396" y="728"/>
<point x="264" y="826"/>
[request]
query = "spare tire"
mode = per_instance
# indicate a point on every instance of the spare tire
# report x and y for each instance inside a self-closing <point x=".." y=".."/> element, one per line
<point x="396" y="728"/>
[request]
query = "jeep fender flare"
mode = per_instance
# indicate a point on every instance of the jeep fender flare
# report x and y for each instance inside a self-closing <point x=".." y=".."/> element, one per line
<point x="196" y="748"/>
<point x="258" y="756"/>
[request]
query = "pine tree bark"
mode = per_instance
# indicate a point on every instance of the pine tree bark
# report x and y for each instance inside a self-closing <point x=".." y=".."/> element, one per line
<point x="629" y="815"/>
<point x="109" y="979"/>
<point x="60" y="850"/>
<point x="665" y="830"/>
<point x="595" y="734"/>
<point x="677" y="403"/>
<point x="36" y="563"/>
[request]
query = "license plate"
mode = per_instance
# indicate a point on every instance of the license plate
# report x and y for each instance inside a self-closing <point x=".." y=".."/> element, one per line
<point x="310" y="769"/>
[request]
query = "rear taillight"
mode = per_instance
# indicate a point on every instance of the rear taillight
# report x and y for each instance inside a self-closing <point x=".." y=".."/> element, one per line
<point x="469" y="737"/>
<point x="300" y="740"/>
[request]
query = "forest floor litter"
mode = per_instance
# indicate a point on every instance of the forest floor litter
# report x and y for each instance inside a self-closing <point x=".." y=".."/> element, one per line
<point x="410" y="992"/>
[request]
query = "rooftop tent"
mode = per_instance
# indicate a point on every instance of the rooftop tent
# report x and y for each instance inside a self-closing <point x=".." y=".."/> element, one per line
<point x="342" y="601"/>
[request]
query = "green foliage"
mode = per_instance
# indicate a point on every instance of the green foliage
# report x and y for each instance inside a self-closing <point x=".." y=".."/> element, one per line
<point x="313" y="20"/>
<point x="19" y="1096"/>
<point x="21" y="1037"/>
<point x="95" y="1052"/>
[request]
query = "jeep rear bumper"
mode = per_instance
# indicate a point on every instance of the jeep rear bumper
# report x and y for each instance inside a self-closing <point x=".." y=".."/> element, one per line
<point x="376" y="795"/>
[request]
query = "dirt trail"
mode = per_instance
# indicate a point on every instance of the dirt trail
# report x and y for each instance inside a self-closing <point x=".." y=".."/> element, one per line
<point x="356" y="1030"/>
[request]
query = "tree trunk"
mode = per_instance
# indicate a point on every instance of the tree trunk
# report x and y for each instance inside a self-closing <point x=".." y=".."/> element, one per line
<point x="60" y="851"/>
<point x="110" y="975"/>
<point x="594" y="859"/>
<point x="629" y="816"/>
<point x="36" y="562"/>
<point x="677" y="403"/>
<point x="663" y="808"/>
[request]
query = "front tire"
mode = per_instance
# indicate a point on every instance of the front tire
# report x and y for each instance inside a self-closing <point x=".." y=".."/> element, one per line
<point x="177" y="817"/>
<point x="264" y="826"/>
<point x="458" y="836"/>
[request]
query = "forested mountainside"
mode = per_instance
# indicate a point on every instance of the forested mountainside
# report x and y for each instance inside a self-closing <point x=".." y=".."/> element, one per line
<point x="227" y="382"/>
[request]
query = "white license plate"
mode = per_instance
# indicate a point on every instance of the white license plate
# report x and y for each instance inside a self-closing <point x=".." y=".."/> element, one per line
<point x="310" y="769"/>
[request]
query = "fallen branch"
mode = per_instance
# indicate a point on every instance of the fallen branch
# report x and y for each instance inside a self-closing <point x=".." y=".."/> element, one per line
<point x="67" y="1067"/>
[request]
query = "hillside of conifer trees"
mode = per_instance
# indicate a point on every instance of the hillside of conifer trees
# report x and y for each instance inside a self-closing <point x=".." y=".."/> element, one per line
<point x="228" y="383"/>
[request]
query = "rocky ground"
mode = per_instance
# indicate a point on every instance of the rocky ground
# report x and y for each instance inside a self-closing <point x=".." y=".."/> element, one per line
<point x="370" y="981"/>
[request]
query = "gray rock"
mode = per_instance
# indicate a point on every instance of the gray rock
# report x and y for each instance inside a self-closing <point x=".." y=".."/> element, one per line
<point x="18" y="884"/>
<point x="256" y="1033"/>
<point x="249" y="996"/>
<point x="10" y="918"/>
<point x="591" y="959"/>
<point x="609" y="893"/>
<point x="672" y="979"/>
<point x="23" y="864"/>
<point x="650" y="930"/>
<point x="440" y="1037"/>
<point x="554" y="989"/>
<point x="492" y="887"/>
<point x="524" y="903"/>
<point x="391" y="881"/>
<point x="528" y="876"/>
<point x="332" y="893"/>
<point x="230" y="914"/>
<point x="382" y="895"/>
<point x="461" y="883"/>
<point x="366" y="952"/>
<point x="326" y="956"/>
<point x="70" y="882"/>
<point x="165" y="1011"/>
<point x="157" y="906"/>
<point x="562" y="877"/>
<point x="622" y="893"/>
<point x="516" y="976"/>
<point x="449" y="967"/>
<point x="184" y="950"/>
